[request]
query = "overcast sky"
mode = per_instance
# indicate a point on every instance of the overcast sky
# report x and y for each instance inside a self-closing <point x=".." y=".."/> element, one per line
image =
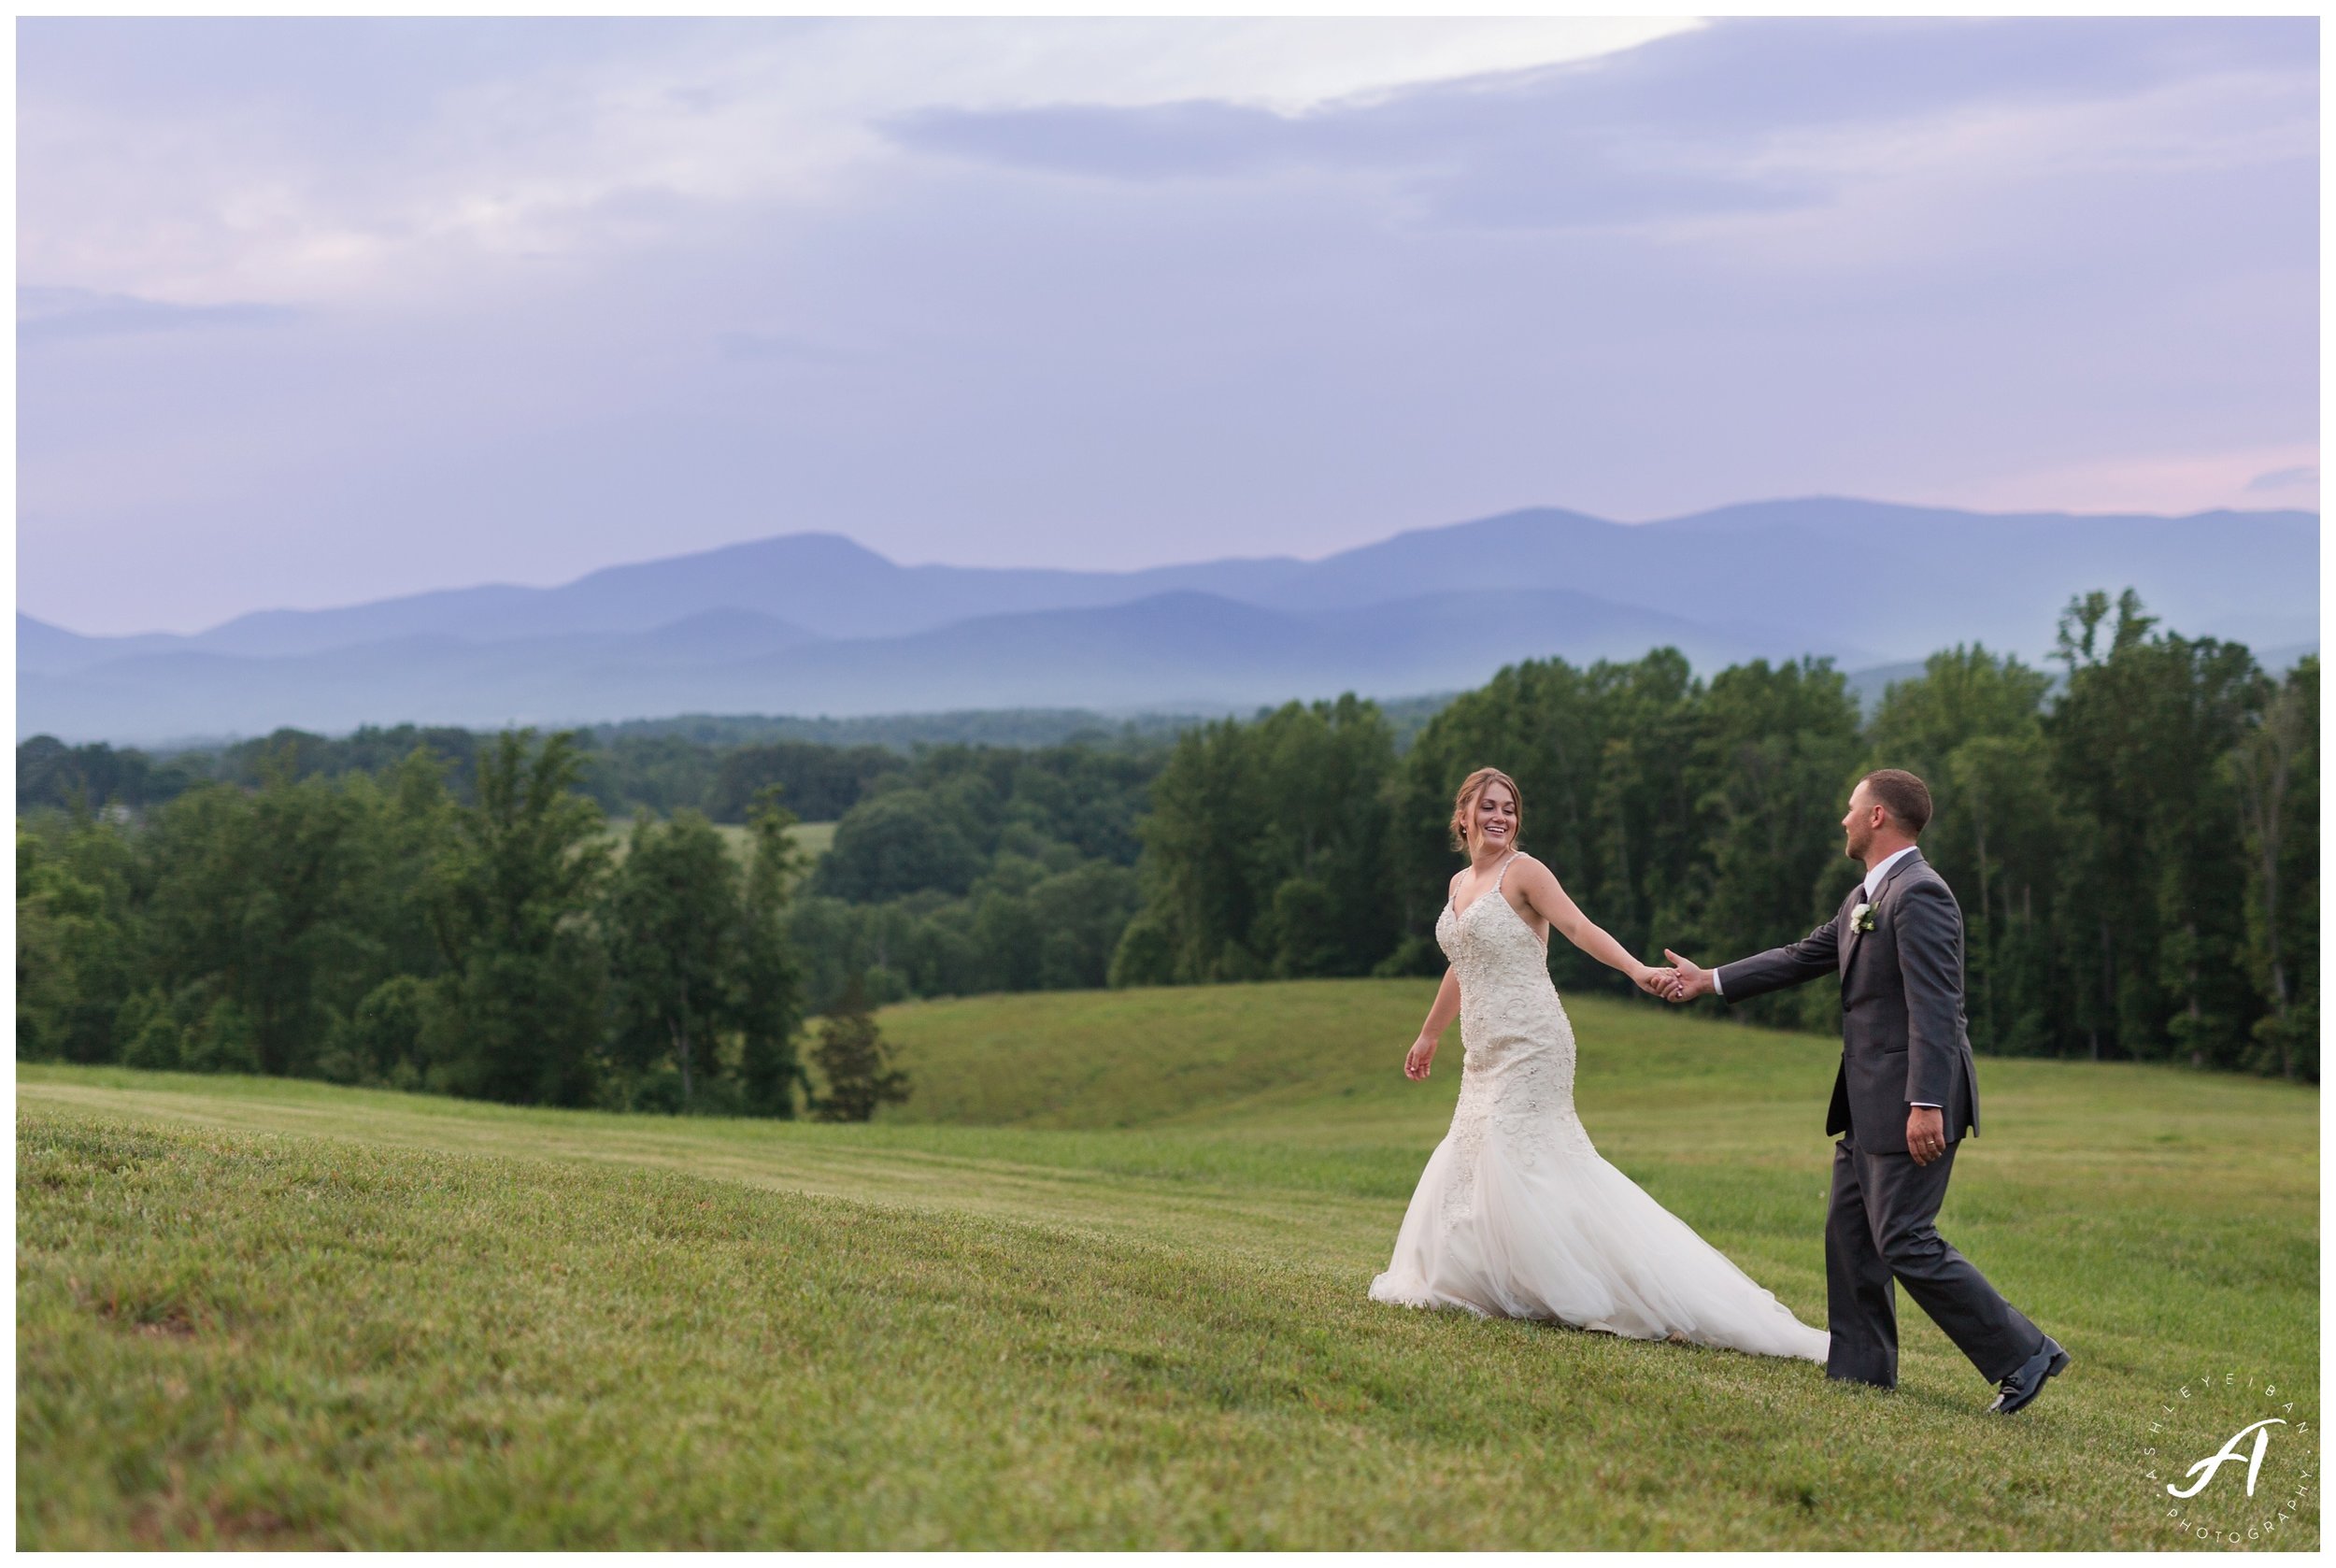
<point x="315" y="312"/>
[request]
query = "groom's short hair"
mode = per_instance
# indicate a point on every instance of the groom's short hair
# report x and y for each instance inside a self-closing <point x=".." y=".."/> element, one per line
<point x="1907" y="798"/>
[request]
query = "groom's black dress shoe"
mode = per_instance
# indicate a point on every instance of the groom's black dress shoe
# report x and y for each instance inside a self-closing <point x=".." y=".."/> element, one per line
<point x="2024" y="1385"/>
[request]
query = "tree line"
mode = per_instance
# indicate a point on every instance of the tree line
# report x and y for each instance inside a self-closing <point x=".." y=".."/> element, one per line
<point x="2134" y="838"/>
<point x="375" y="931"/>
<point x="654" y="772"/>
<point x="715" y="764"/>
<point x="981" y="869"/>
<point x="379" y="926"/>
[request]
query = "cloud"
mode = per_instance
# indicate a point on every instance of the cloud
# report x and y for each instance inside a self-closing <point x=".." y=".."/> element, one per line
<point x="1735" y="117"/>
<point x="1146" y="142"/>
<point x="2285" y="478"/>
<point x="1110" y="292"/>
<point x="382" y="160"/>
<point x="57" y="315"/>
<point x="1480" y="154"/>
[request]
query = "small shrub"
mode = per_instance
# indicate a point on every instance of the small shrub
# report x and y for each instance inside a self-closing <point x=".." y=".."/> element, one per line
<point x="854" y="1060"/>
<point x="151" y="1036"/>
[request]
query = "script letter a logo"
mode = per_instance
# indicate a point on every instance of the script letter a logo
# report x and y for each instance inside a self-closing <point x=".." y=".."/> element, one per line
<point x="2214" y="1462"/>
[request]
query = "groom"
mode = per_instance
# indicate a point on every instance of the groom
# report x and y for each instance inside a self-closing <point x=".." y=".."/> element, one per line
<point x="1904" y="1097"/>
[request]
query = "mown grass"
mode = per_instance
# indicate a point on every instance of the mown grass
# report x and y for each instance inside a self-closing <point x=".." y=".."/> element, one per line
<point x="1099" y="1284"/>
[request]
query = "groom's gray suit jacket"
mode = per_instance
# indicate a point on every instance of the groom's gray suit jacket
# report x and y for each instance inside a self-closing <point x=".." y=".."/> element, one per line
<point x="1903" y="1037"/>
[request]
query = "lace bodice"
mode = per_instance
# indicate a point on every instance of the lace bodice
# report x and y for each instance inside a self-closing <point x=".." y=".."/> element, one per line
<point x="1518" y="1044"/>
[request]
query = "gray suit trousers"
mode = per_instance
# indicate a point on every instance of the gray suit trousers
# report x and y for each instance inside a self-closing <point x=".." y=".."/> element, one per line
<point x="1880" y="1226"/>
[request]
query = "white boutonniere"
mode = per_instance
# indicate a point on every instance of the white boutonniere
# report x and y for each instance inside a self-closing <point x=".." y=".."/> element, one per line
<point x="1861" y="918"/>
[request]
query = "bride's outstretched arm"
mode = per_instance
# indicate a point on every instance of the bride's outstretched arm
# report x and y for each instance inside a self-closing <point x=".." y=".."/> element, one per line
<point x="1542" y="891"/>
<point x="1440" y="1016"/>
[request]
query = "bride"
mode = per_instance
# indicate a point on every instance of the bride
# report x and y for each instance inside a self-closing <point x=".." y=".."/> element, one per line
<point x="1516" y="1215"/>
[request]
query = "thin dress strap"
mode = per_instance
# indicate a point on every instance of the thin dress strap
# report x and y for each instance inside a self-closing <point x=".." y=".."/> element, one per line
<point x="1497" y="879"/>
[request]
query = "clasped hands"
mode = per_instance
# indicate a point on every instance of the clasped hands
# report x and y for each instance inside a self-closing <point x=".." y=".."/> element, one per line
<point x="1683" y="981"/>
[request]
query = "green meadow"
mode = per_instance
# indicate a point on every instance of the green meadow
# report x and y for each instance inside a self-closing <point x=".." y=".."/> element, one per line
<point x="1099" y="1283"/>
<point x="813" y="838"/>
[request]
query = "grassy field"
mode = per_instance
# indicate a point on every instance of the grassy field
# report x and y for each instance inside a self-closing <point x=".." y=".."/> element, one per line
<point x="814" y="837"/>
<point x="1099" y="1283"/>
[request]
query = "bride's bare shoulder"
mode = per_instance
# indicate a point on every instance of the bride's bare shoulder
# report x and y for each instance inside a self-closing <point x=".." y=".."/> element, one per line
<point x="1535" y="869"/>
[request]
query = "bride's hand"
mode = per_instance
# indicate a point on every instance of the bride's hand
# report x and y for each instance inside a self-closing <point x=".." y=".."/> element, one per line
<point x="1416" y="1063"/>
<point x="1657" y="983"/>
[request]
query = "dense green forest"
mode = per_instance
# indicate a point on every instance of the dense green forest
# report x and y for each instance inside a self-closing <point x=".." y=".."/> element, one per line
<point x="715" y="764"/>
<point x="348" y="912"/>
<point x="2133" y="835"/>
<point x="2136" y="846"/>
<point x="374" y="929"/>
<point x="656" y="772"/>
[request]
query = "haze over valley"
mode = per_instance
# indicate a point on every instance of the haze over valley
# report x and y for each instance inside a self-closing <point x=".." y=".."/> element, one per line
<point x="812" y="623"/>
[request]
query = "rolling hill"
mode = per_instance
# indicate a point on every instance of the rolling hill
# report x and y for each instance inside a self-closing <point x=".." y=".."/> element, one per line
<point x="1101" y="1284"/>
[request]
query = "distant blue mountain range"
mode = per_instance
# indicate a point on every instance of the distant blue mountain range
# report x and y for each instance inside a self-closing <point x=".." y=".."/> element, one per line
<point x="813" y="623"/>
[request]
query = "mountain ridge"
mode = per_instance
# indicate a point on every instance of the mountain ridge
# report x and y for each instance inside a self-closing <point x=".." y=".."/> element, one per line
<point x="235" y="634"/>
<point x="818" y="619"/>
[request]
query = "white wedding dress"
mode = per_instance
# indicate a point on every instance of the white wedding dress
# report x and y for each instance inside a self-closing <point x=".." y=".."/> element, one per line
<point x="1518" y="1215"/>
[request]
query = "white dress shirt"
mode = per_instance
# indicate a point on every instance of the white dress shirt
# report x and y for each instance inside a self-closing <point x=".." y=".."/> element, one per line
<point x="1882" y="868"/>
<point x="1874" y="874"/>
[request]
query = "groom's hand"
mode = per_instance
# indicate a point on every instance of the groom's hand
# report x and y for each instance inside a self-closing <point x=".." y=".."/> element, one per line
<point x="1926" y="1132"/>
<point x="1693" y="980"/>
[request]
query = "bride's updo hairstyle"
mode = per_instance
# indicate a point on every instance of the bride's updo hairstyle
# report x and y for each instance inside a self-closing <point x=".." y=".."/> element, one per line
<point x="1465" y="802"/>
